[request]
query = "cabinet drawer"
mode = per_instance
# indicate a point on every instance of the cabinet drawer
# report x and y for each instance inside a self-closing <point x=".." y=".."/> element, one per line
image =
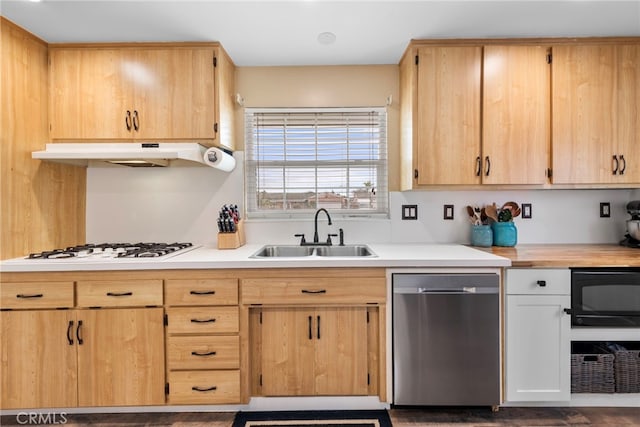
<point x="36" y="295"/>
<point x="203" y="352"/>
<point x="534" y="281"/>
<point x="204" y="387"/>
<point x="345" y="290"/>
<point x="202" y="320"/>
<point x="201" y="292"/>
<point x="119" y="293"/>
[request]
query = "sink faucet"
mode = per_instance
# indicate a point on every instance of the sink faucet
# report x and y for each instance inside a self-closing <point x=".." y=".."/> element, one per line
<point x="315" y="225"/>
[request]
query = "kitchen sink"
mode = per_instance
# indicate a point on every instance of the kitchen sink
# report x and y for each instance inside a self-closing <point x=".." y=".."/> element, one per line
<point x="289" y="251"/>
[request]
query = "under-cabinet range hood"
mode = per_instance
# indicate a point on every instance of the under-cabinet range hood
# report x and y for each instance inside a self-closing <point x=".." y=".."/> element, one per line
<point x="126" y="154"/>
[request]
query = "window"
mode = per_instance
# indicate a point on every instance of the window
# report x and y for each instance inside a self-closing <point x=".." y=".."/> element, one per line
<point x="301" y="160"/>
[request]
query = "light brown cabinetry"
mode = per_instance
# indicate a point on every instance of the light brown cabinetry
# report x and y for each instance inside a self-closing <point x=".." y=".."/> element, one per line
<point x="203" y="342"/>
<point x="81" y="356"/>
<point x="475" y="114"/>
<point x="596" y="113"/>
<point x="141" y="92"/>
<point x="316" y="333"/>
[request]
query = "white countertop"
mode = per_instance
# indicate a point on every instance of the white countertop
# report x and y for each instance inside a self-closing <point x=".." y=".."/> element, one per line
<point x="388" y="256"/>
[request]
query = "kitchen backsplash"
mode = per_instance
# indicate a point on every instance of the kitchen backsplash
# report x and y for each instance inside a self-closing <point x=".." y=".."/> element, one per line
<point x="182" y="203"/>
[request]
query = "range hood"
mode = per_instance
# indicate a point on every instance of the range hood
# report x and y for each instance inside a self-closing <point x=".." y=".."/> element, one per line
<point x="126" y="154"/>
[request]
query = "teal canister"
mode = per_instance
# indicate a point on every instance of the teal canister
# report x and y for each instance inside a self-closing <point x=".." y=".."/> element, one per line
<point x="481" y="235"/>
<point x="504" y="233"/>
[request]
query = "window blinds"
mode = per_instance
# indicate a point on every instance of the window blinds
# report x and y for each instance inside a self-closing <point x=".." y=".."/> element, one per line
<point x="300" y="160"/>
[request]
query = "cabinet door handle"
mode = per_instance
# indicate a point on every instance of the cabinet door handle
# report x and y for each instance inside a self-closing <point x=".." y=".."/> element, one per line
<point x="318" y="332"/>
<point x="70" y="332"/>
<point x="203" y="320"/>
<point x="314" y="291"/>
<point x="616" y="164"/>
<point x="202" y="292"/>
<point x="310" y="332"/>
<point x="478" y="166"/>
<point x="488" y="170"/>
<point x="201" y="389"/>
<point x="624" y="165"/>
<point x="136" y="120"/>
<point x="567" y="310"/>
<point x="209" y="353"/>
<point x="26" y="296"/>
<point x="119" y="294"/>
<point x="542" y="283"/>
<point x="78" y="337"/>
<point x="127" y="120"/>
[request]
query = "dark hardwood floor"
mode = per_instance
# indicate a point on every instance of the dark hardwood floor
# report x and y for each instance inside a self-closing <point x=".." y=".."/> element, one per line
<point x="441" y="417"/>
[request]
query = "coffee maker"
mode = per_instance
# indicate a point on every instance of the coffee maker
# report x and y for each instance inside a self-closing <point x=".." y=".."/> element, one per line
<point x="632" y="239"/>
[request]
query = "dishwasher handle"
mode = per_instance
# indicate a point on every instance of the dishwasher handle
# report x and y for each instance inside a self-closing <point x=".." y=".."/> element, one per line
<point x="462" y="290"/>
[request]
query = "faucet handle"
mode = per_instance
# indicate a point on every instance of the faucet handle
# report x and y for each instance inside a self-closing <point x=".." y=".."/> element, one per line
<point x="329" y="238"/>
<point x="341" y="237"/>
<point x="302" y="239"/>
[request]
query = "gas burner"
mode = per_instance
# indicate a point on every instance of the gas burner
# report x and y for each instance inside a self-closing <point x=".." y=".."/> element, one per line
<point x="113" y="251"/>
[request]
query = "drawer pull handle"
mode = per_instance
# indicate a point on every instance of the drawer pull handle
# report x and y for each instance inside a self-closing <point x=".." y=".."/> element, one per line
<point x="213" y="388"/>
<point x="567" y="310"/>
<point x="542" y="283"/>
<point x="203" y="320"/>
<point x="202" y="292"/>
<point x="209" y="353"/>
<point x="310" y="331"/>
<point x="80" y="340"/>
<point x="311" y="291"/>
<point x="70" y="332"/>
<point x="119" y="294"/>
<point x="25" y="296"/>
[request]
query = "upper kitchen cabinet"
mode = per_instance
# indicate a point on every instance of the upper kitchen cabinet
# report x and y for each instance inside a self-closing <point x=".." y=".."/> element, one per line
<point x="151" y="92"/>
<point x="474" y="114"/>
<point x="596" y="113"/>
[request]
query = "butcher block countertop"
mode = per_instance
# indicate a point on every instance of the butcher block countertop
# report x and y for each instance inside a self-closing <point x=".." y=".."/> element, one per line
<point x="574" y="255"/>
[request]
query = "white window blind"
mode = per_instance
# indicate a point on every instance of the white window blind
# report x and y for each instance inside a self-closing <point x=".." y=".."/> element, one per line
<point x="301" y="160"/>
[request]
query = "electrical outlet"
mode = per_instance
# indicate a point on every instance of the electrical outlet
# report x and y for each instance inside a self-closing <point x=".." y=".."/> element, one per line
<point x="527" y="211"/>
<point x="409" y="211"/>
<point x="605" y="210"/>
<point x="448" y="212"/>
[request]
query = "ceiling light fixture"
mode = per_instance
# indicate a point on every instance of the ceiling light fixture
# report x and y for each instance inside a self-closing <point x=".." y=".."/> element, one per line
<point x="326" y="38"/>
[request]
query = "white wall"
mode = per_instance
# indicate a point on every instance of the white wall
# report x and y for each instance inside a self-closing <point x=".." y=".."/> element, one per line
<point x="182" y="203"/>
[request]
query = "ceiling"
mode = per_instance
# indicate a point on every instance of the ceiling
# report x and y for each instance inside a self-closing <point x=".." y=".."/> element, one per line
<point x="270" y="33"/>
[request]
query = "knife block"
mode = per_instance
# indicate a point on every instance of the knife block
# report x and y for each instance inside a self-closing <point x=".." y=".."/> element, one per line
<point x="232" y="240"/>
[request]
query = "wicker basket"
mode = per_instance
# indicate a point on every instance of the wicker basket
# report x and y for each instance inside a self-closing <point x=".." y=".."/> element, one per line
<point x="592" y="373"/>
<point x="627" y="371"/>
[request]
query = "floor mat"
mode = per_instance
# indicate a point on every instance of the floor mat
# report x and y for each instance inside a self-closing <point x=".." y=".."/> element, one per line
<point x="377" y="418"/>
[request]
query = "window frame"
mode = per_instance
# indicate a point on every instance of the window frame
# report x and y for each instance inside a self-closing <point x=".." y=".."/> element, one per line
<point x="252" y="166"/>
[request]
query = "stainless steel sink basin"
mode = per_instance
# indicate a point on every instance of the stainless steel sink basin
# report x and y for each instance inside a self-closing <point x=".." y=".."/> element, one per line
<point x="348" y="251"/>
<point x="278" y="251"/>
<point x="289" y="251"/>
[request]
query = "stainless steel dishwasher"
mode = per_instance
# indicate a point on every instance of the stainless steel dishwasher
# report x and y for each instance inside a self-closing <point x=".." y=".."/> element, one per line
<point x="446" y="339"/>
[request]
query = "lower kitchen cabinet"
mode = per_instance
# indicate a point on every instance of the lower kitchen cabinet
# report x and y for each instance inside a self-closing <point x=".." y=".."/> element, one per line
<point x="39" y="364"/>
<point x="314" y="351"/>
<point x="538" y="358"/>
<point x="318" y="333"/>
<point x="120" y="357"/>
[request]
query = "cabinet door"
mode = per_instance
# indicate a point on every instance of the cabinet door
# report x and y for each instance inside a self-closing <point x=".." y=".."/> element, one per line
<point x="538" y="354"/>
<point x="341" y="351"/>
<point x="38" y="359"/>
<point x="629" y="112"/>
<point x="287" y="352"/>
<point x="447" y="146"/>
<point x="174" y="93"/>
<point x="121" y="357"/>
<point x="585" y="114"/>
<point x="516" y="115"/>
<point x="90" y="93"/>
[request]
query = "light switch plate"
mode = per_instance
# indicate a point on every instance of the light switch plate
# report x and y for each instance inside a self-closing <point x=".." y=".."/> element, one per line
<point x="448" y="212"/>
<point x="605" y="210"/>
<point x="526" y="211"/>
<point x="409" y="212"/>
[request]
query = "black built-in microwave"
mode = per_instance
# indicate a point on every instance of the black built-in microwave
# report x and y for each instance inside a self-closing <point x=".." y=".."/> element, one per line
<point x="606" y="297"/>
